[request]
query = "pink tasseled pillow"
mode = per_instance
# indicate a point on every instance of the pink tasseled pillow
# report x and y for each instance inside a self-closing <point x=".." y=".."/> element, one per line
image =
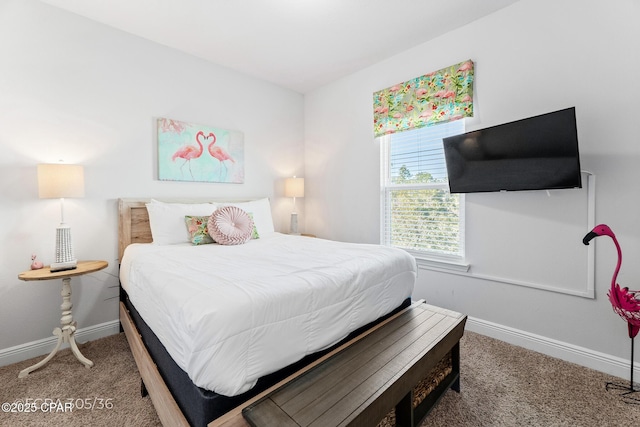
<point x="230" y="225"/>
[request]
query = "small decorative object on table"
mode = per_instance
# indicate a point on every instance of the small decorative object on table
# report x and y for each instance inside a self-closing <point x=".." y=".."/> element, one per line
<point x="35" y="264"/>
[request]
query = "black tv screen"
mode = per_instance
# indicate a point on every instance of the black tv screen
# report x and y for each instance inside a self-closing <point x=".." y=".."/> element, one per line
<point x="537" y="153"/>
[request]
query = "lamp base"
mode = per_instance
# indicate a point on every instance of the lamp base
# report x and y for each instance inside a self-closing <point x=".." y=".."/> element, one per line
<point x="67" y="265"/>
<point x="293" y="229"/>
<point x="64" y="250"/>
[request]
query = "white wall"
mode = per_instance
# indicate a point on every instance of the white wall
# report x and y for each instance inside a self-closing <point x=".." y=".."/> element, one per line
<point x="531" y="58"/>
<point x="76" y="90"/>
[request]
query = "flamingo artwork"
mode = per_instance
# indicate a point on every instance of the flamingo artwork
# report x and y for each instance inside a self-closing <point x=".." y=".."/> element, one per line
<point x="190" y="152"/>
<point x="183" y="155"/>
<point x="219" y="153"/>
<point x="625" y="303"/>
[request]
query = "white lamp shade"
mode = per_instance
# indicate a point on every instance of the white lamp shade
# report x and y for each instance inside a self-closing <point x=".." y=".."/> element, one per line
<point x="57" y="181"/>
<point x="294" y="187"/>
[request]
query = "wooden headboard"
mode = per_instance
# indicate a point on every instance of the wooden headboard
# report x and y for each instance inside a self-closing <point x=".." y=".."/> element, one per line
<point x="133" y="219"/>
<point x="133" y="223"/>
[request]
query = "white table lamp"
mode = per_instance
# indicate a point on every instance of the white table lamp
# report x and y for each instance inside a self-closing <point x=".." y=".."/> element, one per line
<point x="59" y="181"/>
<point x="294" y="187"/>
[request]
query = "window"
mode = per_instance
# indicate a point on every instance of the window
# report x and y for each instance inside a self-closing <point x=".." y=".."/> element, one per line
<point x="418" y="212"/>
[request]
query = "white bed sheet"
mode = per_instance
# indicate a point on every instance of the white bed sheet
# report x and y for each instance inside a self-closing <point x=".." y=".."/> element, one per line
<point x="229" y="315"/>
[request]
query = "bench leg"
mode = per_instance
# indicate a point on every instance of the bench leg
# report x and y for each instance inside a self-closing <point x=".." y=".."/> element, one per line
<point x="451" y="381"/>
<point x="455" y="366"/>
<point x="404" y="411"/>
<point x="143" y="389"/>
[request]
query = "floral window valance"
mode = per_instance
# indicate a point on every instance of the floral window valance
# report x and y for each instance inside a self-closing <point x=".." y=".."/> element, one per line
<point x="441" y="96"/>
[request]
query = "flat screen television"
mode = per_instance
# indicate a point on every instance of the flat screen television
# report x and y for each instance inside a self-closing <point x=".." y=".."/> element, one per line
<point x="536" y="153"/>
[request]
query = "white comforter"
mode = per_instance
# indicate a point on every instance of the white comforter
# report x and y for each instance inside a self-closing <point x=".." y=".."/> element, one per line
<point x="229" y="315"/>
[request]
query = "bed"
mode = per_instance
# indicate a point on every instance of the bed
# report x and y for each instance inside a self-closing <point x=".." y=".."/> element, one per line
<point x="286" y="293"/>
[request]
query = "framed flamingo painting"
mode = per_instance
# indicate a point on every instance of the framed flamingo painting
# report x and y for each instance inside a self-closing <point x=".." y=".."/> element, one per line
<point x="192" y="152"/>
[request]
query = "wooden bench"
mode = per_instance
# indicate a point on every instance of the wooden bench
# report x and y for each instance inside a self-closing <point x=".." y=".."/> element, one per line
<point x="362" y="383"/>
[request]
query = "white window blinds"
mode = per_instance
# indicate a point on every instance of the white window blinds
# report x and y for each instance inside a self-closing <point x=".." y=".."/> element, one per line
<point x="418" y="212"/>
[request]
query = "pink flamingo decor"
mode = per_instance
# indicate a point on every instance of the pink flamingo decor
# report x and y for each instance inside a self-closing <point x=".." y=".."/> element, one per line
<point x="189" y="152"/>
<point x="219" y="153"/>
<point x="35" y="264"/>
<point x="625" y="303"/>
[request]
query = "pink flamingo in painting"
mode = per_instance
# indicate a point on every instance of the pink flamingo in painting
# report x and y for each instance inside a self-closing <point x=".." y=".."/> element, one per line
<point x="189" y="152"/>
<point x="625" y="303"/>
<point x="220" y="154"/>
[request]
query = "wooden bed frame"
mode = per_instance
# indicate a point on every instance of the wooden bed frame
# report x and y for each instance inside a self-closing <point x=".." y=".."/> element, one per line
<point x="133" y="227"/>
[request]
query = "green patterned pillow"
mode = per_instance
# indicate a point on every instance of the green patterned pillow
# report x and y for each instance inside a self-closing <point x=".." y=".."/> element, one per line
<point x="199" y="234"/>
<point x="197" y="228"/>
<point x="254" y="233"/>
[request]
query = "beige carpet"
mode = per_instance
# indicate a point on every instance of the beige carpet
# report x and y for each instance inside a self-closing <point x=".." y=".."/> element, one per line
<point x="502" y="385"/>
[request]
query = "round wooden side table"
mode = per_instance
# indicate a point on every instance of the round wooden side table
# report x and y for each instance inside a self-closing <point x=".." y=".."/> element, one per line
<point x="65" y="333"/>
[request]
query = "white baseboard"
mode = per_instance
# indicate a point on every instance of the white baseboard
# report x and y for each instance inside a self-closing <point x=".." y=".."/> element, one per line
<point x="44" y="346"/>
<point x="602" y="362"/>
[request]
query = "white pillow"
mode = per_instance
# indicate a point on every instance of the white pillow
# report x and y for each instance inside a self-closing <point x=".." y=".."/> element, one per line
<point x="260" y="211"/>
<point x="167" y="220"/>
